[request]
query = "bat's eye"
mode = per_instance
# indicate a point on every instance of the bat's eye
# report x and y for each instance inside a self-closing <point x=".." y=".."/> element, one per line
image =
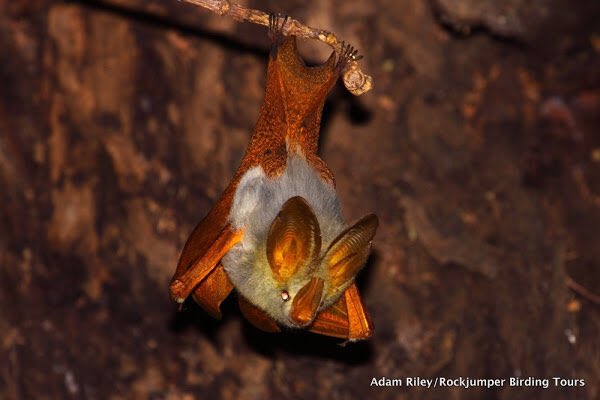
<point x="285" y="296"/>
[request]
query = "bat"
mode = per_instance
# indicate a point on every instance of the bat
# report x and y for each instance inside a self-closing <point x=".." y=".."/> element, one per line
<point x="277" y="234"/>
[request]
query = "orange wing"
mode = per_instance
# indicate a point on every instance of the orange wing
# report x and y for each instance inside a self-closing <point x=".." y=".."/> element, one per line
<point x="345" y="319"/>
<point x="211" y="292"/>
<point x="257" y="317"/>
<point x="215" y="286"/>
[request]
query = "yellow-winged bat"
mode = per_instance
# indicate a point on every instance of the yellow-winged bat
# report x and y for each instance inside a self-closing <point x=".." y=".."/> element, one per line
<point x="277" y="234"/>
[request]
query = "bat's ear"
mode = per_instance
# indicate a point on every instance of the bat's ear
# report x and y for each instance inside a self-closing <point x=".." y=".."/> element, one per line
<point x="294" y="239"/>
<point x="349" y="251"/>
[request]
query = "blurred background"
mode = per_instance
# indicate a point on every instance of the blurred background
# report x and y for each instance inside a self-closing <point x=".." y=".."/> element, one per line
<point x="479" y="149"/>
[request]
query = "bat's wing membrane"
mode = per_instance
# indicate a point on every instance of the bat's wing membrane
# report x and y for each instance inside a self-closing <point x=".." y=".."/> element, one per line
<point x="345" y="319"/>
<point x="199" y="270"/>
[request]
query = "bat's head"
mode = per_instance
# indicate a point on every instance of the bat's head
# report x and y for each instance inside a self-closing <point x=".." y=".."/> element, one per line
<point x="297" y="255"/>
<point x="309" y="276"/>
<point x="292" y="267"/>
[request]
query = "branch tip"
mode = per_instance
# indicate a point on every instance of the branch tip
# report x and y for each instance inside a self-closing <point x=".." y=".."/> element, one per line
<point x="354" y="79"/>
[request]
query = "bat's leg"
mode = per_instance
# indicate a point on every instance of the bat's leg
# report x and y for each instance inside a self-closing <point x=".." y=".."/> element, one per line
<point x="184" y="281"/>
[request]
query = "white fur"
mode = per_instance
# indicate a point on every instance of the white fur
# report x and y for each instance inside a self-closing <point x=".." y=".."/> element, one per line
<point x="256" y="203"/>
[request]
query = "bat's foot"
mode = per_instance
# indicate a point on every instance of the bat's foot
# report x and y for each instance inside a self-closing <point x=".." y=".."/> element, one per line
<point x="277" y="27"/>
<point x="347" y="55"/>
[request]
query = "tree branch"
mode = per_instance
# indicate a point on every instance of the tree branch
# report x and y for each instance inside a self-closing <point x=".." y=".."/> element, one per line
<point x="354" y="79"/>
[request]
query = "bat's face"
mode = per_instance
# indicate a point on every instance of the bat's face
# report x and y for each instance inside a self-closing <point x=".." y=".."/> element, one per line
<point x="308" y="276"/>
<point x="299" y="261"/>
<point x="294" y="271"/>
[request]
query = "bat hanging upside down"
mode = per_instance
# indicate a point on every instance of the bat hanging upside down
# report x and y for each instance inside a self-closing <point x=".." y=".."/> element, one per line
<point x="277" y="234"/>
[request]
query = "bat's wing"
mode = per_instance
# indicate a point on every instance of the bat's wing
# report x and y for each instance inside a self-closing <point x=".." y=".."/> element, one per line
<point x="345" y="319"/>
<point x="211" y="292"/>
<point x="199" y="271"/>
<point x="257" y="317"/>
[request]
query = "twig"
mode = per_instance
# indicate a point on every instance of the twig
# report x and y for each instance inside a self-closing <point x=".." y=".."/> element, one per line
<point x="582" y="291"/>
<point x="354" y="79"/>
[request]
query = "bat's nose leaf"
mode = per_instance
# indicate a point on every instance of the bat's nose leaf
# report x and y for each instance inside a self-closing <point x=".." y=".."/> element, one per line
<point x="294" y="239"/>
<point x="306" y="302"/>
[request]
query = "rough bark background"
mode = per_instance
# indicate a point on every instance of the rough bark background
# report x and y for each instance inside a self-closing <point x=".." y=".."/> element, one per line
<point x="479" y="149"/>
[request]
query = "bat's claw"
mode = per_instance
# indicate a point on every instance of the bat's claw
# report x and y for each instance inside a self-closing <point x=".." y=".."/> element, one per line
<point x="347" y="54"/>
<point x="277" y="27"/>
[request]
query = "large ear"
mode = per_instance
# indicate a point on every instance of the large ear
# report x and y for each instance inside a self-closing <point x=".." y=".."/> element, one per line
<point x="294" y="239"/>
<point x="350" y="250"/>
